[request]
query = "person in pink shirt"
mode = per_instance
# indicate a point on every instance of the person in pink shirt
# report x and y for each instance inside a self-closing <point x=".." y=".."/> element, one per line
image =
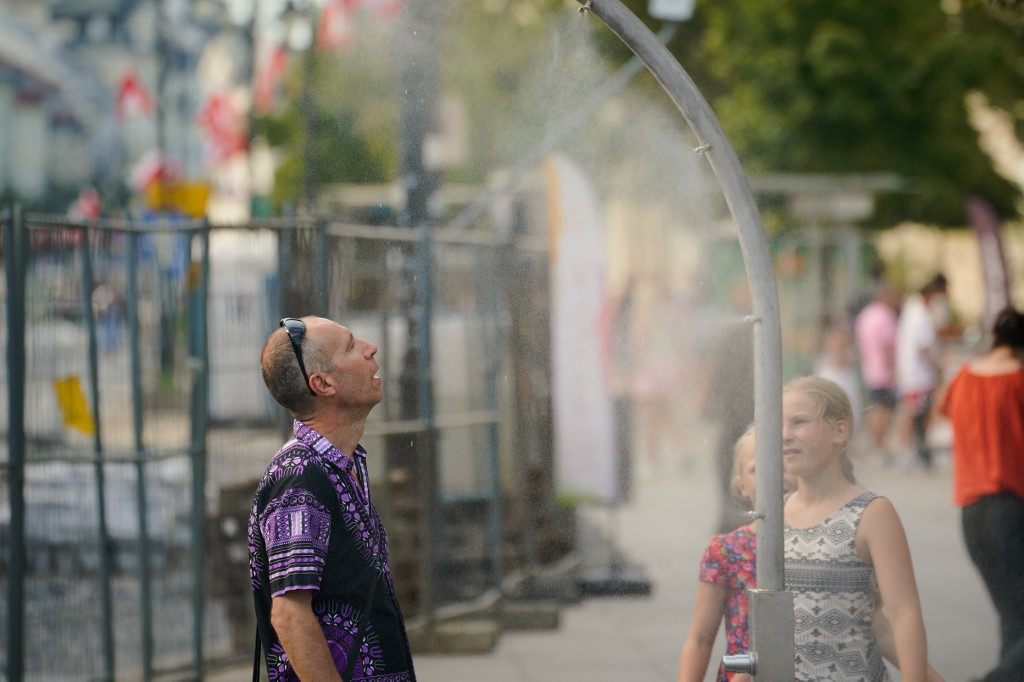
<point x="876" y="329"/>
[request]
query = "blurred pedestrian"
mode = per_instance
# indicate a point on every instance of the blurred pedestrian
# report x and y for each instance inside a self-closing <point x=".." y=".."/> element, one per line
<point x="325" y="602"/>
<point x="985" y="406"/>
<point x="875" y="328"/>
<point x="656" y="377"/>
<point x="836" y="361"/>
<point x="845" y="550"/>
<point x="918" y="365"/>
<point x="727" y="398"/>
<point x="725" y="392"/>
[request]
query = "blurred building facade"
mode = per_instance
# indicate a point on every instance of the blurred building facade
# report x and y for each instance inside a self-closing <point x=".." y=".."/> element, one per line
<point x="91" y="91"/>
<point x="43" y="107"/>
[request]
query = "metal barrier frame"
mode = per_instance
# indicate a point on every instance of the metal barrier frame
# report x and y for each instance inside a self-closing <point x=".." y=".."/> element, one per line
<point x="16" y="228"/>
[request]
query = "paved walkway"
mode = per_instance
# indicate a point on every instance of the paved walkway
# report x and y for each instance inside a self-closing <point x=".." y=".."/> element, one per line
<point x="664" y="528"/>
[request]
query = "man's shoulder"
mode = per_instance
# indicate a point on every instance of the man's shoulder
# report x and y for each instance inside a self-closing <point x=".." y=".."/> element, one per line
<point x="294" y="461"/>
<point x="296" y="453"/>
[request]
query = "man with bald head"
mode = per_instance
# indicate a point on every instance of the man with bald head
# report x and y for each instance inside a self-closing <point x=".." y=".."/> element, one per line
<point x="318" y="555"/>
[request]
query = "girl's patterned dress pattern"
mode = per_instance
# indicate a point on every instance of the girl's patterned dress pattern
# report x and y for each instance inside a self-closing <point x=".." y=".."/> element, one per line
<point x="834" y="599"/>
<point x="729" y="561"/>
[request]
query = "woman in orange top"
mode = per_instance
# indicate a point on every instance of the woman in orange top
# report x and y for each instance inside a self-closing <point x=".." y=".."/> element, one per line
<point x="985" y="406"/>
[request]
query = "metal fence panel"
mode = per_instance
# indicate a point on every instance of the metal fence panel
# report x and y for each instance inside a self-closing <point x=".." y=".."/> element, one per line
<point x="90" y="437"/>
<point x="115" y="315"/>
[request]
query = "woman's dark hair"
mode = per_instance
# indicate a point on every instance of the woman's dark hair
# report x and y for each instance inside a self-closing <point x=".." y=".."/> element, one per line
<point x="1008" y="329"/>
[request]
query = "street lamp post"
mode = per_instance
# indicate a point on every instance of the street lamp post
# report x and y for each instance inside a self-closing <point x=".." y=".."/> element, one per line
<point x="418" y="119"/>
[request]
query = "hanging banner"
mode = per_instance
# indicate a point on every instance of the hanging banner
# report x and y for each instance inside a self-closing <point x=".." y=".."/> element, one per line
<point x="985" y="223"/>
<point x="335" y="29"/>
<point x="133" y="99"/>
<point x="584" y="419"/>
<point x="269" y="75"/>
<point x="224" y="127"/>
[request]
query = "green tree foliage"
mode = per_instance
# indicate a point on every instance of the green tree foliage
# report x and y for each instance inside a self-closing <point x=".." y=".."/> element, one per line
<point x="489" y="52"/>
<point x="486" y="49"/>
<point x="800" y="86"/>
<point x="843" y="86"/>
<point x="348" y="133"/>
<point x="1009" y="12"/>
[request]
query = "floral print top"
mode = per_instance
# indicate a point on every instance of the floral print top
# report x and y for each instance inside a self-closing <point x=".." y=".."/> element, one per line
<point x="729" y="561"/>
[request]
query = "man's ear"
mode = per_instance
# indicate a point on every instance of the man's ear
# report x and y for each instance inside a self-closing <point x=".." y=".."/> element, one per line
<point x="323" y="383"/>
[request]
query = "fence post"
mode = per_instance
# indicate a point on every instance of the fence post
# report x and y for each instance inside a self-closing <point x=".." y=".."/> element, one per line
<point x="103" y="541"/>
<point x="493" y="443"/>
<point x="417" y="120"/>
<point x="199" y="409"/>
<point x="145" y="579"/>
<point x="321" y="267"/>
<point x="15" y="255"/>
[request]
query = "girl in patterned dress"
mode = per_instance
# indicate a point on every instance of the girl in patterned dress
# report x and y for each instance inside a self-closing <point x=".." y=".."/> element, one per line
<point x="846" y="553"/>
<point x="726" y="573"/>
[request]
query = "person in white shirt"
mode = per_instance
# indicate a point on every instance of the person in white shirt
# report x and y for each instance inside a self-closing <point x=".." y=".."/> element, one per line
<point x="918" y="370"/>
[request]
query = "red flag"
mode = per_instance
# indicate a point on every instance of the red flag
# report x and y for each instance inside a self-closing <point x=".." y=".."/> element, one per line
<point x="132" y="97"/>
<point x="87" y="206"/>
<point x="151" y="168"/>
<point x="268" y="77"/>
<point x="385" y="9"/>
<point x="335" y="31"/>
<point x="224" y="127"/>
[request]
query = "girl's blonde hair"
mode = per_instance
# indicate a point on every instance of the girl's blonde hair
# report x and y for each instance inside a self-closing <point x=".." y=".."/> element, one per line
<point x="833" y="406"/>
<point x="737" y="465"/>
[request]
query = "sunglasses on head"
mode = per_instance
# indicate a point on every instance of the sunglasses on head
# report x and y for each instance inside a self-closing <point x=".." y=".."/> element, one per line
<point x="296" y="328"/>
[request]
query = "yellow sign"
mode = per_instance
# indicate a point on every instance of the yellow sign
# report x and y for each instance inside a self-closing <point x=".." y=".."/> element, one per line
<point x="188" y="197"/>
<point x="73" y="406"/>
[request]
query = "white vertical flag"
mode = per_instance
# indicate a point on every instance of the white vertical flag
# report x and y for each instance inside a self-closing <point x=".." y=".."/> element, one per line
<point x="584" y="417"/>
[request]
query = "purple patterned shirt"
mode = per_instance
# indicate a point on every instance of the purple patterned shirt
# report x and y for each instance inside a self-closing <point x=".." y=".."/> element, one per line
<point x="312" y="528"/>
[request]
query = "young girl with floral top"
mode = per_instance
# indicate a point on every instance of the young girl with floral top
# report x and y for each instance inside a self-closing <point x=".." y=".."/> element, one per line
<point x="726" y="573"/>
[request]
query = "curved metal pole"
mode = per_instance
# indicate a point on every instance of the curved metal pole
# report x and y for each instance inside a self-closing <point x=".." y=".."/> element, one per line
<point x="615" y="83"/>
<point x="769" y="601"/>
